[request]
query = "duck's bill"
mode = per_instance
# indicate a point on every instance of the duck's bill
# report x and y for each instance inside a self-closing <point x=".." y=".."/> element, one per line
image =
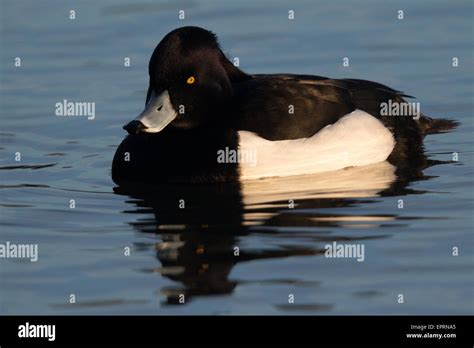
<point x="158" y="113"/>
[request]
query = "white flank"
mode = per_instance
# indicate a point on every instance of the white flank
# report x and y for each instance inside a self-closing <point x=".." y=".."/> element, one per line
<point x="357" y="139"/>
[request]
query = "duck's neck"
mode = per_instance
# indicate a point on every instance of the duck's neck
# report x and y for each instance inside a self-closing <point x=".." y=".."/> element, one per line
<point x="234" y="73"/>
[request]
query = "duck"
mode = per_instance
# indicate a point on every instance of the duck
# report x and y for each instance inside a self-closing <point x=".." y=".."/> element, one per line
<point x="207" y="121"/>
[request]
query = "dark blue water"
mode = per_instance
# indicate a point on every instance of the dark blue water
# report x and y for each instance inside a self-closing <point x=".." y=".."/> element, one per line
<point x="191" y="252"/>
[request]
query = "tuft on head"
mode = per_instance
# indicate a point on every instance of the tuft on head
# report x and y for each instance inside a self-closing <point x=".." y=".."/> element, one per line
<point x="180" y="47"/>
<point x="179" y="43"/>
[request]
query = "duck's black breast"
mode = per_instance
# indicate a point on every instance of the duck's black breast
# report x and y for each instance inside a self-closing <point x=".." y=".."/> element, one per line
<point x="173" y="155"/>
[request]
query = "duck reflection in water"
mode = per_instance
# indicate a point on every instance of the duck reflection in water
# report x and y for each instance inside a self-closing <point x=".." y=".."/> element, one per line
<point x="202" y="227"/>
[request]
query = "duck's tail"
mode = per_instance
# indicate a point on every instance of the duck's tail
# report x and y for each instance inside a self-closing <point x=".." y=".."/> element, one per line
<point x="430" y="125"/>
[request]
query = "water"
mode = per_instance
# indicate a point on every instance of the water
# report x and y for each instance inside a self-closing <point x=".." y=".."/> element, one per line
<point x="81" y="251"/>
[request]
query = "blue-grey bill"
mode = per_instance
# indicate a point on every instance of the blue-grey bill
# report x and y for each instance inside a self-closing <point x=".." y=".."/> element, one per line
<point x="158" y="113"/>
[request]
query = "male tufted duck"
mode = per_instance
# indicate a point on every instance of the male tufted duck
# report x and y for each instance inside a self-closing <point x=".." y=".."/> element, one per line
<point x="205" y="120"/>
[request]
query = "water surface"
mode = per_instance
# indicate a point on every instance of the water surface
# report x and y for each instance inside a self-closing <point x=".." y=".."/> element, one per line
<point x="280" y="226"/>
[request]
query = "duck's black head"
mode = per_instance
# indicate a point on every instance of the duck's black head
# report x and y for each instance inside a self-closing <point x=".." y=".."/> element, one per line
<point x="190" y="81"/>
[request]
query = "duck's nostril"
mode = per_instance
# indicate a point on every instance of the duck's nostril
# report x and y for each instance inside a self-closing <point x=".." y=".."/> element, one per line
<point x="159" y="108"/>
<point x="134" y="127"/>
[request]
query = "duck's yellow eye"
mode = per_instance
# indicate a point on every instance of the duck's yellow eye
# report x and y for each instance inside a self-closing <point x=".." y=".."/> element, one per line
<point x="190" y="80"/>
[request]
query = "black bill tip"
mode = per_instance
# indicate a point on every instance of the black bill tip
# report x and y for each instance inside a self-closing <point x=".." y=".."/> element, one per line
<point x="134" y="127"/>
